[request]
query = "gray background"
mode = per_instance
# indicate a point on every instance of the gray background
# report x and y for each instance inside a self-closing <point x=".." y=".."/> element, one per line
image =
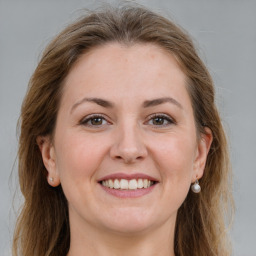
<point x="225" y="33"/>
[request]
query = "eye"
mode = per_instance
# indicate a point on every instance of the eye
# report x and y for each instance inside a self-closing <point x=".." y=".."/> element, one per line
<point x="160" y="120"/>
<point x="94" y="121"/>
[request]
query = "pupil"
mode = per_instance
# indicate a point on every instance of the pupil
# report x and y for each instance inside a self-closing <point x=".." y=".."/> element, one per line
<point x="96" y="121"/>
<point x="158" y="120"/>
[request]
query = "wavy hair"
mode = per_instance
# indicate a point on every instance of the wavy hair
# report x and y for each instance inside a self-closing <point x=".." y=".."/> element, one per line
<point x="42" y="227"/>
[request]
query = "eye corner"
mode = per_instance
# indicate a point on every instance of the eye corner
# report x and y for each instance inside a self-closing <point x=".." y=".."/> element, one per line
<point x="95" y="121"/>
<point x="162" y="120"/>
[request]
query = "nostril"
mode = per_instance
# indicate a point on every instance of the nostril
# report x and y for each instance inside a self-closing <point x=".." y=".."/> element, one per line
<point x="128" y="159"/>
<point x="127" y="151"/>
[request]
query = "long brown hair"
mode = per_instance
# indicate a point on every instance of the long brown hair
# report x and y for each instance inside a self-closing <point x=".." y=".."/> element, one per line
<point x="43" y="227"/>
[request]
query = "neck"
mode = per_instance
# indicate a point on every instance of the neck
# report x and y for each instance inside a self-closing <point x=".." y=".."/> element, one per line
<point x="94" y="242"/>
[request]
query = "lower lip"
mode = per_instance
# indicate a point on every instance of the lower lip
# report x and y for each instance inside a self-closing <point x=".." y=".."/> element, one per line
<point x="128" y="193"/>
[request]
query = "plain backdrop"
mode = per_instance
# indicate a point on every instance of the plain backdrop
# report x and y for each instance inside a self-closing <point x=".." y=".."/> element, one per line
<point x="224" y="32"/>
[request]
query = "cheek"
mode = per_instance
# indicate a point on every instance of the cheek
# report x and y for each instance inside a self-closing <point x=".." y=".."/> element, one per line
<point x="176" y="159"/>
<point x="78" y="157"/>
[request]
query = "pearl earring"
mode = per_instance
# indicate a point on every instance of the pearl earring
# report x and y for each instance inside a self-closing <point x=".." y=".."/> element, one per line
<point x="196" y="187"/>
<point x="51" y="179"/>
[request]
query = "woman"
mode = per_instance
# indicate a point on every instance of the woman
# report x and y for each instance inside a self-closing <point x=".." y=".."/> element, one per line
<point x="118" y="123"/>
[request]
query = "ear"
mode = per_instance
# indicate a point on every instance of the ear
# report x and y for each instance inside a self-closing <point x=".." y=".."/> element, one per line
<point x="203" y="148"/>
<point x="49" y="159"/>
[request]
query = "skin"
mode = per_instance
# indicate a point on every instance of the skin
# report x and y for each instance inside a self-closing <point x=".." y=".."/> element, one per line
<point x="126" y="139"/>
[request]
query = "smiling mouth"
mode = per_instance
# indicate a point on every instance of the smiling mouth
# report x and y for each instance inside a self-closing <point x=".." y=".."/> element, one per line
<point x="124" y="184"/>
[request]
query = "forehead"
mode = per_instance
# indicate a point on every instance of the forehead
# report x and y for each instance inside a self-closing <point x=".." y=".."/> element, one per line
<point x="139" y="70"/>
<point x="129" y="55"/>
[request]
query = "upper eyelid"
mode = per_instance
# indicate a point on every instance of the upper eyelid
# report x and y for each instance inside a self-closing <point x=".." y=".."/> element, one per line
<point x="161" y="115"/>
<point x="91" y="116"/>
<point x="158" y="114"/>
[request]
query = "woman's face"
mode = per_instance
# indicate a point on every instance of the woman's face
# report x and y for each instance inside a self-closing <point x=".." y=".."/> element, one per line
<point x="125" y="119"/>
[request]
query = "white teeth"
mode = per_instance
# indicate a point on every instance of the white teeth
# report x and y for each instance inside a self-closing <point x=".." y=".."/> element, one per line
<point x="133" y="184"/>
<point x="140" y="183"/>
<point x="110" y="183"/>
<point x="116" y="184"/>
<point x="127" y="184"/>
<point x="145" y="183"/>
<point x="124" y="184"/>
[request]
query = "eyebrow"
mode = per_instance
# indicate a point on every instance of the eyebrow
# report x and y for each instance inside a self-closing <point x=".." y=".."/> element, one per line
<point x="98" y="101"/>
<point x="146" y="104"/>
<point x="155" y="102"/>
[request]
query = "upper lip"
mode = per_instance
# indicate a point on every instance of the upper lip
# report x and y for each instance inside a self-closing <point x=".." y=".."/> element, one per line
<point x="127" y="176"/>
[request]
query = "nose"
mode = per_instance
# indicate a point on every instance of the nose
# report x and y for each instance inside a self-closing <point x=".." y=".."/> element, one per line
<point x="128" y="145"/>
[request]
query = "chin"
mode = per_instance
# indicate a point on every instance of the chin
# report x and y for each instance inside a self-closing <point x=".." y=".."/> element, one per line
<point x="128" y="228"/>
<point x="130" y="222"/>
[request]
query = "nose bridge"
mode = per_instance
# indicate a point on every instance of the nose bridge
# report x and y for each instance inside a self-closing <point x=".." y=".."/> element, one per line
<point x="129" y="145"/>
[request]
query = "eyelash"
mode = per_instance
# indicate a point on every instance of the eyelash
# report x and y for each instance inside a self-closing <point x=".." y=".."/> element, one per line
<point x="165" y="117"/>
<point x="90" y="118"/>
